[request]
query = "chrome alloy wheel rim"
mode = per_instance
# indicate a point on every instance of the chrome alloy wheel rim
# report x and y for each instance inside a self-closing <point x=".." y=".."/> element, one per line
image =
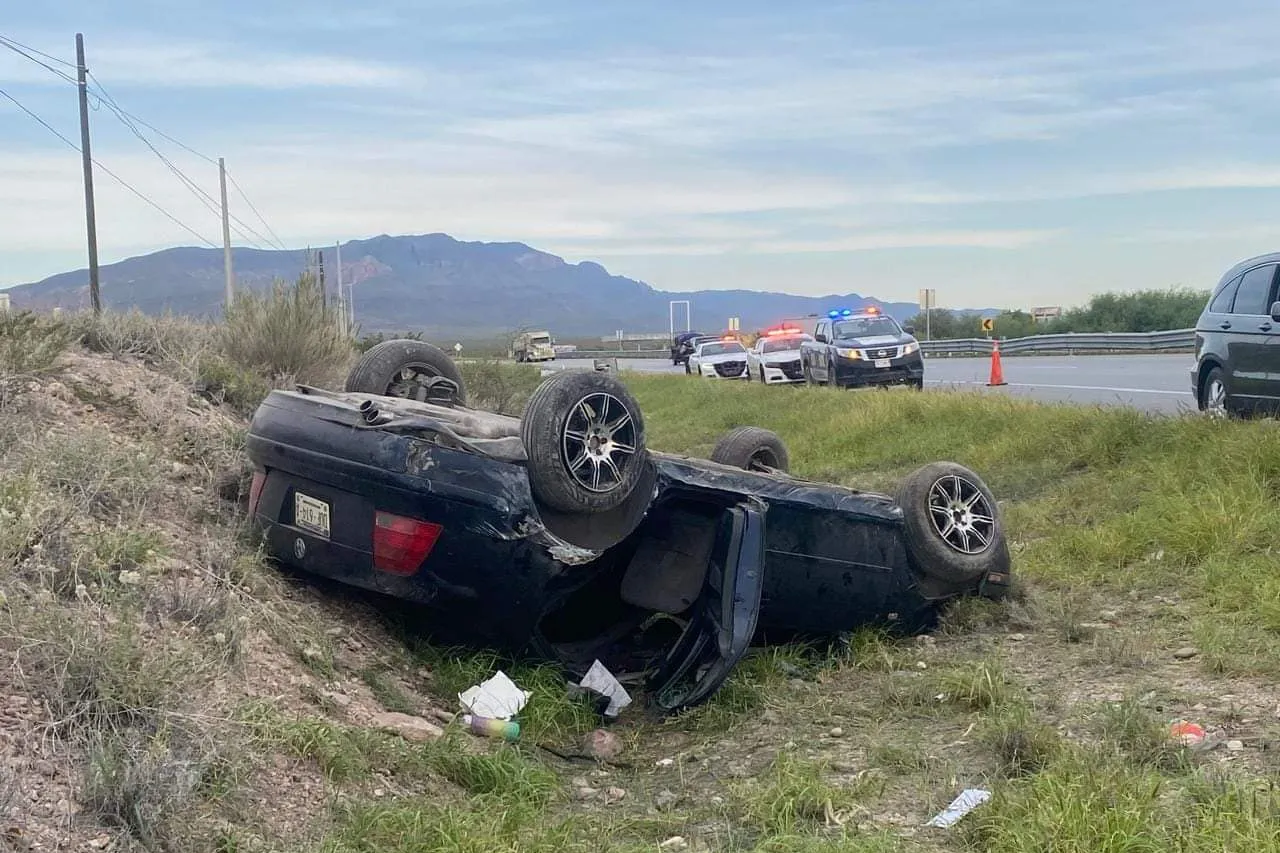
<point x="599" y="438"/>
<point x="1215" y="399"/>
<point x="961" y="515"/>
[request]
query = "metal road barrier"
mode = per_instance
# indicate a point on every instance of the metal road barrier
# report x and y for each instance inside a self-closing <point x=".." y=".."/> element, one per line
<point x="1177" y="340"/>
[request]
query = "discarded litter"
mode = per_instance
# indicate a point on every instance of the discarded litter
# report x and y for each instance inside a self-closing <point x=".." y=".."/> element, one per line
<point x="498" y="698"/>
<point x="968" y="800"/>
<point x="1189" y="734"/>
<point x="487" y="727"/>
<point x="601" y="680"/>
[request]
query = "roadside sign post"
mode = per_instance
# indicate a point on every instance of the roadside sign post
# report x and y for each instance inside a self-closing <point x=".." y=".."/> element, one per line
<point x="671" y="314"/>
<point x="928" y="300"/>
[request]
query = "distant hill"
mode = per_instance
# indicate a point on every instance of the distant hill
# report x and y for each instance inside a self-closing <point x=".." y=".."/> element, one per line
<point x="437" y="285"/>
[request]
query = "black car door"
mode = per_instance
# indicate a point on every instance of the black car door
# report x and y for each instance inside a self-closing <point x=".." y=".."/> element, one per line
<point x="725" y="614"/>
<point x="1249" y="329"/>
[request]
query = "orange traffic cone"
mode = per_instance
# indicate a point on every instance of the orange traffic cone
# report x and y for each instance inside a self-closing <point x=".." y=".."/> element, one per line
<point x="997" y="373"/>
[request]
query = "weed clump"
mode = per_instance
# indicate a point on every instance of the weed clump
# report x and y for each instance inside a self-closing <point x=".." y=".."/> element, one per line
<point x="290" y="333"/>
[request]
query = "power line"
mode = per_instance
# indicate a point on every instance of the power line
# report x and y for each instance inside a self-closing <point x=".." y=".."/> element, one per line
<point x="30" y="49"/>
<point x="131" y="122"/>
<point x="110" y="173"/>
<point x="279" y="243"/>
<point x="207" y="200"/>
<point x="22" y="50"/>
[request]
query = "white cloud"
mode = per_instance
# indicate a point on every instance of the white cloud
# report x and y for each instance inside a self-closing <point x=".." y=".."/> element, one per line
<point x="166" y="63"/>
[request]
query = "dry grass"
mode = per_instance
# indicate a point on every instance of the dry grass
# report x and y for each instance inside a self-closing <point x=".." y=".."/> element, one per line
<point x="288" y="335"/>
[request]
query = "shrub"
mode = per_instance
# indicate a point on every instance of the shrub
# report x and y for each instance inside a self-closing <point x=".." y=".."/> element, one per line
<point x="30" y="348"/>
<point x="289" y="333"/>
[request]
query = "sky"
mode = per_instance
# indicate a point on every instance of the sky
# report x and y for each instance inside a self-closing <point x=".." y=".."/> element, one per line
<point x="1005" y="154"/>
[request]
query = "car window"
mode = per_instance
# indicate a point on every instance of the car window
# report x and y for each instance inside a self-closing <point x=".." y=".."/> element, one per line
<point x="866" y="327"/>
<point x="1254" y="295"/>
<point x="722" y="349"/>
<point x="820" y="329"/>
<point x="1222" y="302"/>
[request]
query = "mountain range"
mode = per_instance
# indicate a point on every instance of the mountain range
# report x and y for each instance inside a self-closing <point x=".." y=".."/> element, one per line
<point x="437" y="285"/>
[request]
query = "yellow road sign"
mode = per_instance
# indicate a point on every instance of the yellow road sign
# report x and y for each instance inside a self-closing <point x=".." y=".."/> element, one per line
<point x="988" y="324"/>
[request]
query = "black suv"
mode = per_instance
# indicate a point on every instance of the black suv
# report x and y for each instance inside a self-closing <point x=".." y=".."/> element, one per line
<point x="1237" y="369"/>
<point x="683" y="345"/>
<point x="867" y="348"/>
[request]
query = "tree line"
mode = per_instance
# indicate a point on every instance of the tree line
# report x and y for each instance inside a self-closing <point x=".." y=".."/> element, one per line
<point x="1140" y="311"/>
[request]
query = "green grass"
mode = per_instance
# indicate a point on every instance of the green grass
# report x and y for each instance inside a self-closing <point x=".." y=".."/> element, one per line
<point x="1089" y="803"/>
<point x="1103" y="498"/>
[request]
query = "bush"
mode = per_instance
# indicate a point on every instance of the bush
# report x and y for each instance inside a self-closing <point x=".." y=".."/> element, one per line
<point x="30" y="348"/>
<point x="498" y="386"/>
<point x="288" y="334"/>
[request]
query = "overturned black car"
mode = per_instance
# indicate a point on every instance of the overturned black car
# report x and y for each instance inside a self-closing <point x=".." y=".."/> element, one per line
<point x="561" y="536"/>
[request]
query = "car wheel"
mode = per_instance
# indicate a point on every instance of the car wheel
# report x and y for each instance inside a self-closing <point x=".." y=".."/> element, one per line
<point x="954" y="532"/>
<point x="584" y="436"/>
<point x="752" y="448"/>
<point x="404" y="368"/>
<point x="1213" y="394"/>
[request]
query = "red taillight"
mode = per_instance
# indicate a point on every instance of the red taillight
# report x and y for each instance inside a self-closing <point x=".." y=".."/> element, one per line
<point x="401" y="544"/>
<point x="255" y="491"/>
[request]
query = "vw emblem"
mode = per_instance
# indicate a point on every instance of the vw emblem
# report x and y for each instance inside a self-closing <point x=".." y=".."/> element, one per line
<point x="299" y="548"/>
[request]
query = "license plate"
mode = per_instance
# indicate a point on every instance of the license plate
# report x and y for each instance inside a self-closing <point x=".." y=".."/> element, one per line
<point x="311" y="514"/>
<point x="884" y="362"/>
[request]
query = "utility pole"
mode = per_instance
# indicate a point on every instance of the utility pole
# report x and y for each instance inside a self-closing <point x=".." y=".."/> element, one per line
<point x="226" y="235"/>
<point x="90" y="217"/>
<point x="324" y="300"/>
<point x="342" y="302"/>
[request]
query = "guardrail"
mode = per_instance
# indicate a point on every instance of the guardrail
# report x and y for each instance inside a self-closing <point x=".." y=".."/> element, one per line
<point x="618" y="353"/>
<point x="1177" y="340"/>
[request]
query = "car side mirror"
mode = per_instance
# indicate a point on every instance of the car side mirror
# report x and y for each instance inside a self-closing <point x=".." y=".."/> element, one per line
<point x="1275" y="311"/>
<point x="820" y="338"/>
<point x="910" y="330"/>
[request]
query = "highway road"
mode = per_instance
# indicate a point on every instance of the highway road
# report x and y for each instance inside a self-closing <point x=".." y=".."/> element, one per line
<point x="1154" y="383"/>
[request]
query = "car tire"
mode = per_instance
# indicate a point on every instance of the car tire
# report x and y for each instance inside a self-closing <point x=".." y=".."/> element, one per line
<point x="569" y="472"/>
<point x="1213" y="380"/>
<point x="396" y="368"/>
<point x="952" y="557"/>
<point x="753" y="449"/>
